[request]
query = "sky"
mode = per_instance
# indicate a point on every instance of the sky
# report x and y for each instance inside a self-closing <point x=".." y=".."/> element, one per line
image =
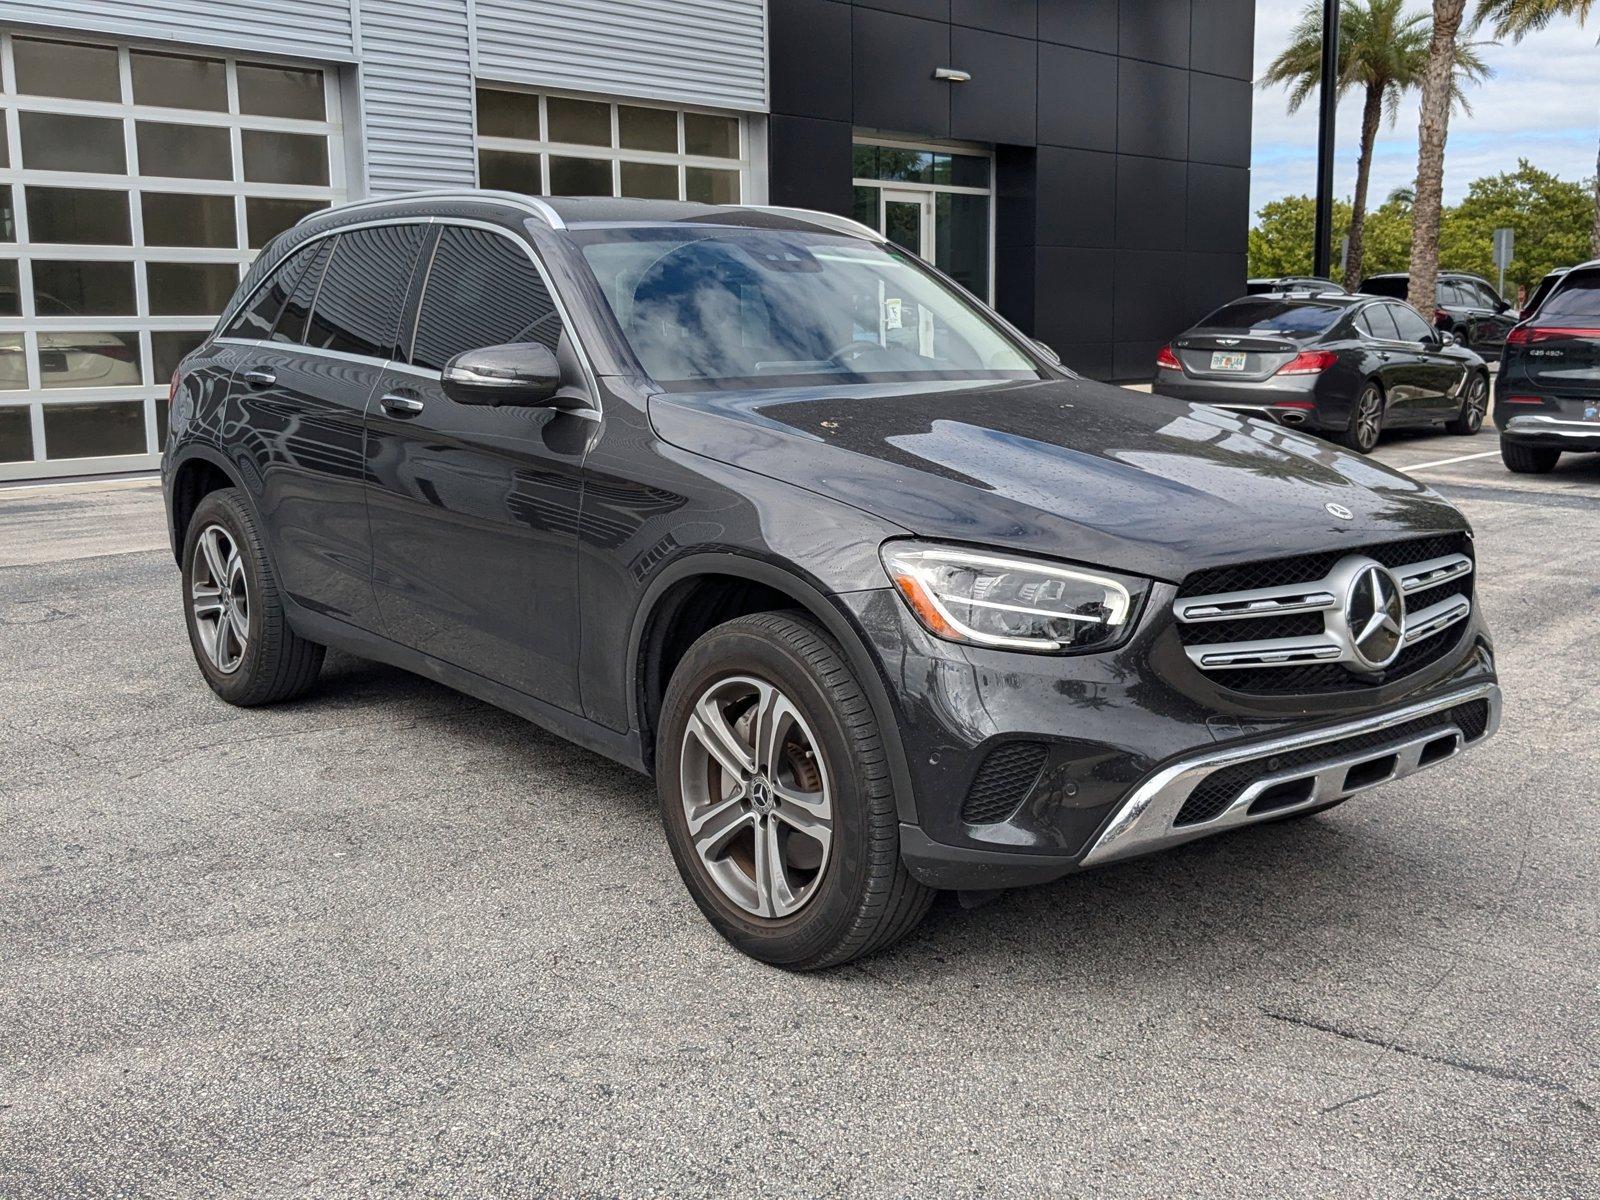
<point x="1543" y="104"/>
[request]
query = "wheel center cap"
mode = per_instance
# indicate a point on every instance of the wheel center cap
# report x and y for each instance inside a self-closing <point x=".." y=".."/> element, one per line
<point x="760" y="795"/>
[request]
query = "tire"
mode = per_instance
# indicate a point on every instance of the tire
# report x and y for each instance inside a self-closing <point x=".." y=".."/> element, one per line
<point x="828" y="901"/>
<point x="259" y="659"/>
<point x="1474" y="406"/>
<point x="1366" y="420"/>
<point x="1527" y="460"/>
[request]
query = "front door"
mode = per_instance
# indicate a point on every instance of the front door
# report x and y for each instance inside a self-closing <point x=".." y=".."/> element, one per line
<point x="906" y="219"/>
<point x="474" y="508"/>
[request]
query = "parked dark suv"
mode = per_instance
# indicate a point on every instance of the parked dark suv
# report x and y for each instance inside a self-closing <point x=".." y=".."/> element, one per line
<point x="750" y="499"/>
<point x="1547" y="398"/>
<point x="1468" y="307"/>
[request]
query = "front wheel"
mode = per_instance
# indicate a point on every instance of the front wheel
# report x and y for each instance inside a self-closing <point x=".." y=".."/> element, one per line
<point x="1366" y="421"/>
<point x="1474" y="405"/>
<point x="776" y="797"/>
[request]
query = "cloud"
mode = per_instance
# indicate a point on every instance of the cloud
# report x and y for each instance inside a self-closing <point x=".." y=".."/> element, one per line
<point x="1543" y="104"/>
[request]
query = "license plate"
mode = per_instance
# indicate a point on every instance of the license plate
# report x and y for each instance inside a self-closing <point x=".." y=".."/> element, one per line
<point x="1225" y="360"/>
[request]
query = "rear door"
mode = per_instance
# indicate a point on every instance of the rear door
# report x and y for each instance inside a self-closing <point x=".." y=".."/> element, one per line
<point x="304" y="398"/>
<point x="475" y="509"/>
<point x="1381" y="340"/>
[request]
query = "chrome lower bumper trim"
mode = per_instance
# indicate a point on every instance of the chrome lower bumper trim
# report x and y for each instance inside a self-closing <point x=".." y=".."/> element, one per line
<point x="1538" y="426"/>
<point x="1145" y="822"/>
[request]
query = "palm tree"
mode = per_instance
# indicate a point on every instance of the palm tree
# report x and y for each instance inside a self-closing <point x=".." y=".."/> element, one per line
<point x="1518" y="18"/>
<point x="1383" y="51"/>
<point x="1437" y="88"/>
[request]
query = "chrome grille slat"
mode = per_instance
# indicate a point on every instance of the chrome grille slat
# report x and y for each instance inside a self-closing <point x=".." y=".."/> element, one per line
<point x="1323" y="598"/>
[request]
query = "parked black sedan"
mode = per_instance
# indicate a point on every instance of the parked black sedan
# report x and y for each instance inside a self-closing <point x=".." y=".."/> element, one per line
<point x="1467" y="306"/>
<point x="1343" y="366"/>
<point x="1547" y="400"/>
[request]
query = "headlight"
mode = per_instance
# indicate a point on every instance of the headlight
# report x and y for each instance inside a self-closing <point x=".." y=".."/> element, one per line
<point x="1013" y="603"/>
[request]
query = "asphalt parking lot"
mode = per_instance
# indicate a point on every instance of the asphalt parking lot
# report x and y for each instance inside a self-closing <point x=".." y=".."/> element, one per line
<point x="392" y="941"/>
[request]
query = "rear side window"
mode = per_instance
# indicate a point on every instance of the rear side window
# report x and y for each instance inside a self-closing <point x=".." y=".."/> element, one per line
<point x="363" y="290"/>
<point x="1576" y="297"/>
<point x="256" y="319"/>
<point x="1376" y="321"/>
<point x="291" y="326"/>
<point x="482" y="290"/>
<point x="1292" y="318"/>
<point x="1390" y="286"/>
<point x="1458" y="295"/>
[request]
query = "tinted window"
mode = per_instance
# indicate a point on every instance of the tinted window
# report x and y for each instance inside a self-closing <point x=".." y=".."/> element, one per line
<point x="291" y="326"/>
<point x="256" y="319"/>
<point x="1292" y="318"/>
<point x="482" y="291"/>
<point x="1387" y="285"/>
<point x="363" y="290"/>
<point x="1377" y="321"/>
<point x="1540" y="293"/>
<point x="1411" y="326"/>
<point x="1578" y="296"/>
<point x="1486" y="296"/>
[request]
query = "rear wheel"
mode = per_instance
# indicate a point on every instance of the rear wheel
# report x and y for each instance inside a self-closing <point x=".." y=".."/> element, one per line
<point x="1527" y="460"/>
<point x="1366" y="420"/>
<point x="1474" y="405"/>
<point x="237" y="626"/>
<point x="776" y="797"/>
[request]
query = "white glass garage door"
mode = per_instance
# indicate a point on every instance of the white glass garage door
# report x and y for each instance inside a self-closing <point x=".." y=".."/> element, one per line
<point x="546" y="145"/>
<point x="135" y="185"/>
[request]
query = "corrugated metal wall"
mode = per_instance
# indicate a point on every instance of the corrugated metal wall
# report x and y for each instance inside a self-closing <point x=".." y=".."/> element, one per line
<point x="416" y="94"/>
<point x="710" y="52"/>
<point x="320" y="29"/>
<point x="415" y="124"/>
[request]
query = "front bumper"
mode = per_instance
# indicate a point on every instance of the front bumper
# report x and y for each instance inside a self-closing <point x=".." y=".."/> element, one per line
<point x="1122" y="739"/>
<point x="1551" y="433"/>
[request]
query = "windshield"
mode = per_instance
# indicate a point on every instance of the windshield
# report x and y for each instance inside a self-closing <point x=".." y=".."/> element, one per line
<point x="1577" y="297"/>
<point x="725" y="308"/>
<point x="1284" y="318"/>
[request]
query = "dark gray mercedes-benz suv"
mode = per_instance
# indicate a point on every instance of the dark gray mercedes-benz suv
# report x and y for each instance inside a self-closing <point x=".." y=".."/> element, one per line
<point x="886" y="599"/>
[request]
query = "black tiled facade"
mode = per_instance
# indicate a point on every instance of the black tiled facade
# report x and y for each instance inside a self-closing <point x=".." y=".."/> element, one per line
<point x="1121" y="131"/>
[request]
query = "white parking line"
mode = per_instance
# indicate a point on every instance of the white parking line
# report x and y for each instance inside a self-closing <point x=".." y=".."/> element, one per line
<point x="1445" y="462"/>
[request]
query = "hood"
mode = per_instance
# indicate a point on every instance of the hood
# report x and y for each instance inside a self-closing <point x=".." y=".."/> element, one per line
<point x="1066" y="468"/>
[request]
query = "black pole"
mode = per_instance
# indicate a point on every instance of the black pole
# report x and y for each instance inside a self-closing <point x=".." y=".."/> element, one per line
<point x="1328" y="110"/>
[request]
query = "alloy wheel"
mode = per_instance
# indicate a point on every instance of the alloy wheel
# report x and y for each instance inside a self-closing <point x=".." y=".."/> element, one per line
<point x="1477" y="404"/>
<point x="1369" y="418"/>
<point x="756" y="796"/>
<point x="219" y="593"/>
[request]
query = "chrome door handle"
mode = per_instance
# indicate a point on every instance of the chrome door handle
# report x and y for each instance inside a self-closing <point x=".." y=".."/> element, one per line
<point x="260" y="378"/>
<point x="396" y="403"/>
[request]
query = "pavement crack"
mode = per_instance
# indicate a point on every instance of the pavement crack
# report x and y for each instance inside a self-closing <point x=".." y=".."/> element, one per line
<point x="1353" y="1100"/>
<point x="1553" y="1086"/>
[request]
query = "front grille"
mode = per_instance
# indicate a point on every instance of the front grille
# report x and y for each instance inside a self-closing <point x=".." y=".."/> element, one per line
<point x="1003" y="782"/>
<point x="1310" y="663"/>
<point x="1218" y="791"/>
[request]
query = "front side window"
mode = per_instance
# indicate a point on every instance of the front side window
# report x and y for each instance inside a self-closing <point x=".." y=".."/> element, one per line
<point x="363" y="290"/>
<point x="1411" y="326"/>
<point x="1283" y="318"/>
<point x="724" y="308"/>
<point x="482" y="290"/>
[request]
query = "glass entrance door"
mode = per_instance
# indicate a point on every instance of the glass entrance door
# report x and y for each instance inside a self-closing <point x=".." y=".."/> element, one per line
<point x="906" y="220"/>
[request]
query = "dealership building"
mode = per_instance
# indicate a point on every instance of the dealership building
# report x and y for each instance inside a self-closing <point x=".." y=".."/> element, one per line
<point x="1083" y="164"/>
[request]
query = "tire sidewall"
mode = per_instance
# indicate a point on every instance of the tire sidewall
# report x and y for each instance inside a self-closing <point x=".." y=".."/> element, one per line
<point x="1367" y="389"/>
<point x="224" y="508"/>
<point x="741" y="650"/>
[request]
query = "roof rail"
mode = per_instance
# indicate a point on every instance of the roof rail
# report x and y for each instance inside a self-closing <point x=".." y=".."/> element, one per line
<point x="532" y="204"/>
<point x="827" y="220"/>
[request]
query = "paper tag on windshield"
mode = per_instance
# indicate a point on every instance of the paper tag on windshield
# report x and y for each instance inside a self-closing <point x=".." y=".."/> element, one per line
<point x="891" y="313"/>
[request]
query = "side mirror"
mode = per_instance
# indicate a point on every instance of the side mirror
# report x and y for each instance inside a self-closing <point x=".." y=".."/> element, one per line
<point x="1446" y="338"/>
<point x="519" y="373"/>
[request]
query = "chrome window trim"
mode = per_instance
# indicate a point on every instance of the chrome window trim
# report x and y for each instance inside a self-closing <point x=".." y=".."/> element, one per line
<point x="589" y="412"/>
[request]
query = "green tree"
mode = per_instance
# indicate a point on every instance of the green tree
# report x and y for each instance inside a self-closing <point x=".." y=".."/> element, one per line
<point x="1518" y="18"/>
<point x="1550" y="217"/>
<point x="1382" y="51"/>
<point x="1285" y="229"/>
